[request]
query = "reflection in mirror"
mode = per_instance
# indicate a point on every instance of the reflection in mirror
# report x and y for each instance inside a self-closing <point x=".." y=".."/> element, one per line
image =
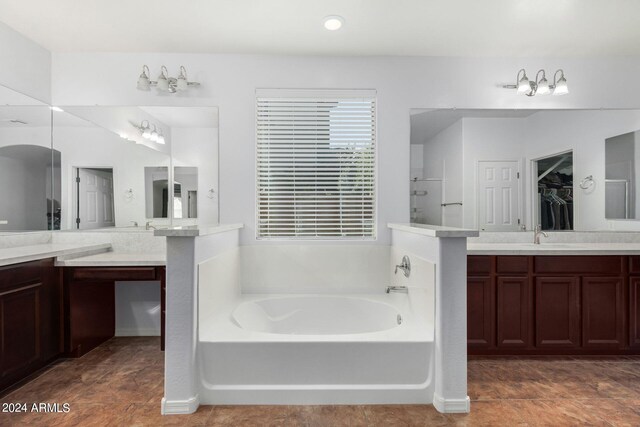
<point x="621" y="178"/>
<point x="93" y="198"/>
<point x="102" y="170"/>
<point x="185" y="194"/>
<point x="555" y="192"/>
<point x="27" y="168"/>
<point x="156" y="183"/>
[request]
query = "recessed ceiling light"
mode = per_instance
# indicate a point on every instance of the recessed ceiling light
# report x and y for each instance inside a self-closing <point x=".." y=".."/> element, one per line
<point x="333" y="22"/>
<point x="57" y="109"/>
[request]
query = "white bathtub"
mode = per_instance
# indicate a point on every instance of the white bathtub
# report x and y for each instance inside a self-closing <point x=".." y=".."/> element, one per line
<point x="317" y="349"/>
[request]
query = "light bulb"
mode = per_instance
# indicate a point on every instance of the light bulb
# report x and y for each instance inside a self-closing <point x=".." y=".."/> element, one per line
<point x="160" y="139"/>
<point x="182" y="83"/>
<point x="543" y="87"/>
<point x="154" y="135"/>
<point x="333" y="22"/>
<point x="163" y="82"/>
<point x="523" y="84"/>
<point x="143" y="81"/>
<point x="146" y="133"/>
<point x="561" y="87"/>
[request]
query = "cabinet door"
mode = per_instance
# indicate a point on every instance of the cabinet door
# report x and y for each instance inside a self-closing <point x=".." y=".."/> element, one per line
<point x="479" y="312"/>
<point x="19" y="331"/>
<point x="557" y="312"/>
<point x="634" y="312"/>
<point x="513" y="312"/>
<point x="602" y="312"/>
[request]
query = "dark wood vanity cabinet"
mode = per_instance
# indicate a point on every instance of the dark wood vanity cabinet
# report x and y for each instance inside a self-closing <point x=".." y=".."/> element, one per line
<point x="30" y="319"/>
<point x="553" y="304"/>
<point x="89" y="300"/>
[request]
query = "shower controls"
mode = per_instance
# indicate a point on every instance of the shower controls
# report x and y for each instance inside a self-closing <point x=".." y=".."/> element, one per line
<point x="405" y="266"/>
<point x="400" y="289"/>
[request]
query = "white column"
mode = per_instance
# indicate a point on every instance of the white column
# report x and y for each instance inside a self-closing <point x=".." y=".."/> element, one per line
<point x="451" y="327"/>
<point x="180" y="388"/>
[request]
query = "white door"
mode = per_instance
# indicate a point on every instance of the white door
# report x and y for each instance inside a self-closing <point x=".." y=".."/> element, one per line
<point x="95" y="193"/>
<point x="498" y="196"/>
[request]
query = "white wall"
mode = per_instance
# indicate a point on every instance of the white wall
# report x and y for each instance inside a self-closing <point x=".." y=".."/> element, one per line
<point x="492" y="139"/>
<point x="137" y="309"/>
<point x="23" y="195"/>
<point x="26" y="66"/>
<point x="230" y="81"/>
<point x="443" y="158"/>
<point x="199" y="147"/>
<point x="304" y="268"/>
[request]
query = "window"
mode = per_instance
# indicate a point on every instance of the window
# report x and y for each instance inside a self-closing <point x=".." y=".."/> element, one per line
<point x="316" y="161"/>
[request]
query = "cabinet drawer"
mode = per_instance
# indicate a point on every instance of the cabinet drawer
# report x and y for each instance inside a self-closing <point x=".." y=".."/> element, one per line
<point x="478" y="265"/>
<point x="111" y="274"/>
<point x="22" y="274"/>
<point x="579" y="265"/>
<point x="511" y="265"/>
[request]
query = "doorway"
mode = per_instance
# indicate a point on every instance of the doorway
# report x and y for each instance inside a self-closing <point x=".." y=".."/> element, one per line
<point x="499" y="195"/>
<point x="94" y="198"/>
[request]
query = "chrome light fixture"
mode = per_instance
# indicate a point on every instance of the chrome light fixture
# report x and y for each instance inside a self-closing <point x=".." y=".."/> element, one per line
<point x="165" y="83"/>
<point x="150" y="131"/>
<point x="540" y="86"/>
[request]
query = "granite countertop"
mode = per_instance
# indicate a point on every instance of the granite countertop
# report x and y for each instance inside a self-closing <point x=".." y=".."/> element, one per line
<point x="433" y="230"/>
<point x="16" y="255"/>
<point x="553" y="249"/>
<point x="195" y="230"/>
<point x="113" y="259"/>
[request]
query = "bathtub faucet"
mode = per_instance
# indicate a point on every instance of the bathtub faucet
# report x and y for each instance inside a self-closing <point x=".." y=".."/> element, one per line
<point x="405" y="266"/>
<point x="400" y="289"/>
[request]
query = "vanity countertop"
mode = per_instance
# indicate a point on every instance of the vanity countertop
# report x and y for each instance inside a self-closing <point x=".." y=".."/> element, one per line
<point x="113" y="259"/>
<point x="16" y="255"/>
<point x="553" y="249"/>
<point x="433" y="230"/>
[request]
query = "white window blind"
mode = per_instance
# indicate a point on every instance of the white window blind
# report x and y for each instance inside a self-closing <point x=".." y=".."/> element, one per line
<point x="316" y="160"/>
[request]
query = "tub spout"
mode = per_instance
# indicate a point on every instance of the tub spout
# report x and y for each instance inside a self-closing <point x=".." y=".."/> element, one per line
<point x="400" y="289"/>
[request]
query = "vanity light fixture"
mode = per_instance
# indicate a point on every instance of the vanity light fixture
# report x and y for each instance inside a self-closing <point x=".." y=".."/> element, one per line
<point x="150" y="131"/>
<point x="540" y="86"/>
<point x="165" y="83"/>
<point x="333" y="22"/>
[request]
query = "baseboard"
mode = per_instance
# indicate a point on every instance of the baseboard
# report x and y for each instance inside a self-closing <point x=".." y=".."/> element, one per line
<point x="137" y="332"/>
<point x="177" y="407"/>
<point x="451" y="406"/>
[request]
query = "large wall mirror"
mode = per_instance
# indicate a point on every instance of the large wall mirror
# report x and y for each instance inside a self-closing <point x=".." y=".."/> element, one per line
<point x="28" y="165"/>
<point x="511" y="170"/>
<point x="622" y="180"/>
<point x="89" y="167"/>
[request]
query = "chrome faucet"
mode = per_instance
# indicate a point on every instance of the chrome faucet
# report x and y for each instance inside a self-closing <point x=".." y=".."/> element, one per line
<point x="400" y="289"/>
<point x="148" y="226"/>
<point x="405" y="266"/>
<point x="537" y="232"/>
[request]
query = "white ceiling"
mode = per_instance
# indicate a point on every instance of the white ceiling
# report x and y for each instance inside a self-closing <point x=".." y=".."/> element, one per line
<point x="427" y="123"/>
<point x="372" y="27"/>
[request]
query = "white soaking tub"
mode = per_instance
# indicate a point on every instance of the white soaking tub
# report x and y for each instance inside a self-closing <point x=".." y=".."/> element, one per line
<point x="317" y="349"/>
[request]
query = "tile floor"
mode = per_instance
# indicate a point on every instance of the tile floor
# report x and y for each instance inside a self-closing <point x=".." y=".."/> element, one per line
<point x="120" y="384"/>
